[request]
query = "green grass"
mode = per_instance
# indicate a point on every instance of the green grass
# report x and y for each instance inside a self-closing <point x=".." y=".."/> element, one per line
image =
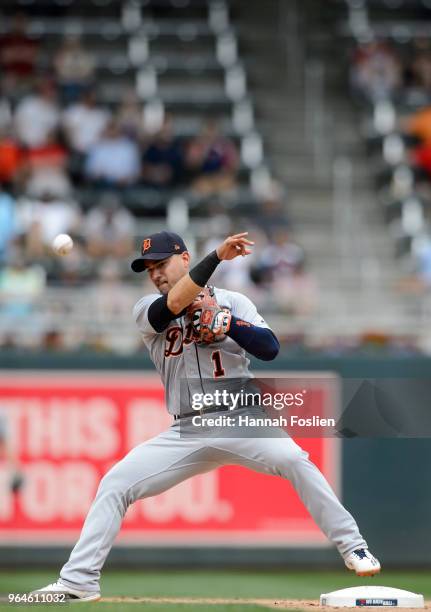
<point x="288" y="584"/>
<point x="111" y="607"/>
<point x="276" y="584"/>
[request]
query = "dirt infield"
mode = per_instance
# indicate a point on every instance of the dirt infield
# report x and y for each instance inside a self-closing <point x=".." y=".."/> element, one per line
<point x="280" y="604"/>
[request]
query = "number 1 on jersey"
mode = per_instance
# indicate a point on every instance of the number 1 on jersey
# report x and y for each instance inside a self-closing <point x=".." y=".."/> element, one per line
<point x="218" y="367"/>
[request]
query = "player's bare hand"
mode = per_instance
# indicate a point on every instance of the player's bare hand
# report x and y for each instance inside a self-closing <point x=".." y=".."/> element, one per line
<point x="235" y="245"/>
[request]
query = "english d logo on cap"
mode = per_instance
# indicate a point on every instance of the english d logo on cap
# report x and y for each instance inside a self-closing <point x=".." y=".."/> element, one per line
<point x="146" y="245"/>
<point x="160" y="245"/>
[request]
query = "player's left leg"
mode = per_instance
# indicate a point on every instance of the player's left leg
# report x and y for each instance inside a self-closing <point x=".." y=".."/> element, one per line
<point x="149" y="469"/>
<point x="281" y="456"/>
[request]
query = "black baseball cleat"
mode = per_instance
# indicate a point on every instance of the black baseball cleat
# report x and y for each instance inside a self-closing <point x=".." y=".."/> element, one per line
<point x="58" y="589"/>
<point x="362" y="562"/>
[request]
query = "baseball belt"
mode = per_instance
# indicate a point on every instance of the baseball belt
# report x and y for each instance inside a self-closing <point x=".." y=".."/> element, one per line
<point x="197" y="412"/>
<point x="209" y="410"/>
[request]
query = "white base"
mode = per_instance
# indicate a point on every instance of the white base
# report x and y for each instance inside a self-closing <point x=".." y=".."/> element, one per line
<point x="365" y="596"/>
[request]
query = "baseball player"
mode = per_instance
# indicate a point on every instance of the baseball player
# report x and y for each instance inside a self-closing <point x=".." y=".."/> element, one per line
<point x="195" y="335"/>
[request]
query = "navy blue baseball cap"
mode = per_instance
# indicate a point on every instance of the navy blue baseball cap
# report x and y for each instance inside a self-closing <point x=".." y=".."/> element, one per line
<point x="158" y="246"/>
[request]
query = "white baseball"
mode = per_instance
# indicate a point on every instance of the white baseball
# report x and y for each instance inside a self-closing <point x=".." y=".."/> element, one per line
<point x="62" y="244"/>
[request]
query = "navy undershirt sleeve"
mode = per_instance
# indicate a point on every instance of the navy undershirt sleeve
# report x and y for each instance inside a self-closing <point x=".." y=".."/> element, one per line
<point x="201" y="273"/>
<point x="258" y="341"/>
<point x="159" y="314"/>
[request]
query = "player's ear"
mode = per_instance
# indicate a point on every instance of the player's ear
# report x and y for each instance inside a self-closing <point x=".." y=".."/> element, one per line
<point x="186" y="258"/>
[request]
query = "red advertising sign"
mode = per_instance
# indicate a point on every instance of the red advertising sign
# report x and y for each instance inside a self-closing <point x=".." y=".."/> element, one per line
<point x="66" y="429"/>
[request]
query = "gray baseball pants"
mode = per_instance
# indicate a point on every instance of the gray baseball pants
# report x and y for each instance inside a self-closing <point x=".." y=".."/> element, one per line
<point x="173" y="456"/>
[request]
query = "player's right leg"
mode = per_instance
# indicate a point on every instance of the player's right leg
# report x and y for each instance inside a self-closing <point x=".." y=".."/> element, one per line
<point x="149" y="469"/>
<point x="279" y="455"/>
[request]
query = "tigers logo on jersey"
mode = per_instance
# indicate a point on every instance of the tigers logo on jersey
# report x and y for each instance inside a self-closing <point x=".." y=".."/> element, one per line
<point x="146" y="245"/>
<point x="174" y="341"/>
<point x="176" y="338"/>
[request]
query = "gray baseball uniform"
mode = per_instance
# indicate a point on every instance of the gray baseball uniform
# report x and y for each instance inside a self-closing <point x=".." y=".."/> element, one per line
<point x="171" y="457"/>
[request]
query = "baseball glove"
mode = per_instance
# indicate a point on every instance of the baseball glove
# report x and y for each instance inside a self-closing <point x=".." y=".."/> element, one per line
<point x="210" y="322"/>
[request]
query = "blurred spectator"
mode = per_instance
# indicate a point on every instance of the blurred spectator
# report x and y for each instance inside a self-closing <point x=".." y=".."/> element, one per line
<point x="95" y="341"/>
<point x="419" y="125"/>
<point x="44" y="169"/>
<point x="418" y="280"/>
<point x="8" y="225"/>
<point x="423" y="260"/>
<point x="109" y="229"/>
<point x="114" y="160"/>
<point x="163" y="158"/>
<point x="212" y="160"/>
<point x="10" y="158"/>
<point x="422" y="157"/>
<point x="5" y="112"/>
<point x="84" y="123"/>
<point x="421" y="64"/>
<point x="74" y="67"/>
<point x="40" y="220"/>
<point x="376" y="70"/>
<point x="37" y="115"/>
<point x="52" y="340"/>
<point x="18" y="56"/>
<point x="111" y="298"/>
<point x="295" y="293"/>
<point x="272" y="214"/>
<point x="129" y="116"/>
<point x="20" y="285"/>
<point x="278" y="270"/>
<point x="279" y="259"/>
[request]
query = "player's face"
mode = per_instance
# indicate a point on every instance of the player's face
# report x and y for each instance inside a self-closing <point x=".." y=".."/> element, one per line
<point x="167" y="272"/>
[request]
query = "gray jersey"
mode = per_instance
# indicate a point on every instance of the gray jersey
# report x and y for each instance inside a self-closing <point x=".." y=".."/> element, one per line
<point x="186" y="367"/>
